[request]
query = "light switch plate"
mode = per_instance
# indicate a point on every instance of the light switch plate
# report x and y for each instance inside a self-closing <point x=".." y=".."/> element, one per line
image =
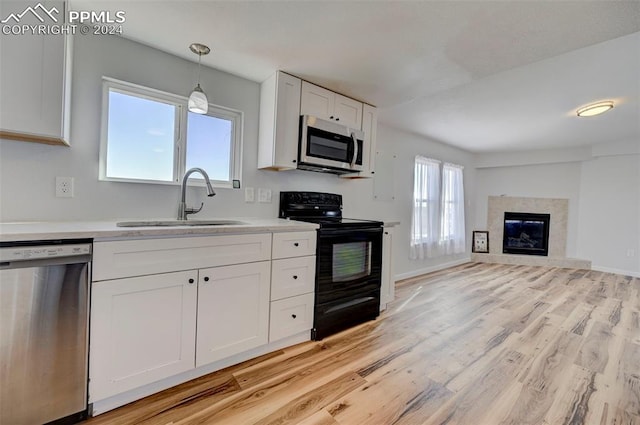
<point x="249" y="194"/>
<point x="264" y="195"/>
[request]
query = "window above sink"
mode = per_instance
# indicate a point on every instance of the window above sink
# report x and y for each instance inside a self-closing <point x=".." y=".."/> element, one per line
<point x="148" y="136"/>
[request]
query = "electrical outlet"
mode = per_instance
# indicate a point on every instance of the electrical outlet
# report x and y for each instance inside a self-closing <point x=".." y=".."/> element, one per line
<point x="264" y="195"/>
<point x="249" y="194"/>
<point x="631" y="252"/>
<point x="64" y="187"/>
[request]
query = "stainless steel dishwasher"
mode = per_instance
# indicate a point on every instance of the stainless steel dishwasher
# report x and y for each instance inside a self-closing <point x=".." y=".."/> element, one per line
<point x="44" y="310"/>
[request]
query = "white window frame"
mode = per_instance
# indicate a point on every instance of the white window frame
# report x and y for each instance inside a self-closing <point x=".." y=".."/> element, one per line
<point x="180" y="136"/>
<point x="452" y="243"/>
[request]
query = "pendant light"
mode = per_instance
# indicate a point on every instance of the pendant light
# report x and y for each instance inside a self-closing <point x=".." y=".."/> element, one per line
<point x="198" y="102"/>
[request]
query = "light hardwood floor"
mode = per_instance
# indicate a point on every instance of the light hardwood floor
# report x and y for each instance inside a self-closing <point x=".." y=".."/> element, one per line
<point x="476" y="344"/>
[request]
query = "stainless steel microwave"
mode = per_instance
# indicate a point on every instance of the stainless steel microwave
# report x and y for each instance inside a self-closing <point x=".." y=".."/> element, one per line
<point x="329" y="147"/>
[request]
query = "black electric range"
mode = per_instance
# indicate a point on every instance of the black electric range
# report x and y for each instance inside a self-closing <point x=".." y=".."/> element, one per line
<point x="348" y="261"/>
<point x="324" y="209"/>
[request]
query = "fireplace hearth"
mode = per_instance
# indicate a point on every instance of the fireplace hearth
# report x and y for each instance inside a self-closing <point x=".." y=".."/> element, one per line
<point x="526" y="233"/>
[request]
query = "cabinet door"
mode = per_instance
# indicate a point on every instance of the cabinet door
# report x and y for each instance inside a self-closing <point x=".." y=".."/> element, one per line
<point x="317" y="101"/>
<point x="348" y="112"/>
<point x="233" y="310"/>
<point x="287" y="121"/>
<point x="370" y="128"/>
<point x="35" y="79"/>
<point x="142" y="330"/>
<point x="279" y="122"/>
<point x="387" y="291"/>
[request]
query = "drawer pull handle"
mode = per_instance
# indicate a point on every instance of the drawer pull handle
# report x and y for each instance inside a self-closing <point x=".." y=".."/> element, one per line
<point x="294" y="316"/>
<point x="206" y="278"/>
<point x="296" y="244"/>
<point x="191" y="280"/>
<point x="295" y="276"/>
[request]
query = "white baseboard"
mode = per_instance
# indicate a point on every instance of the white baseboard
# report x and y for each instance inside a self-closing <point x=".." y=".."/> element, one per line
<point x="426" y="270"/>
<point x="615" y="271"/>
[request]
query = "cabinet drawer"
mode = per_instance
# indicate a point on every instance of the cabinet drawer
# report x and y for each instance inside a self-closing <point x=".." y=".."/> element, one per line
<point x="294" y="244"/>
<point x="292" y="276"/>
<point x="290" y="316"/>
<point x="117" y="259"/>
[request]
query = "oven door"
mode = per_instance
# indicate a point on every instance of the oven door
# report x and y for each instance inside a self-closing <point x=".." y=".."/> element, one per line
<point x="327" y="144"/>
<point x="348" y="263"/>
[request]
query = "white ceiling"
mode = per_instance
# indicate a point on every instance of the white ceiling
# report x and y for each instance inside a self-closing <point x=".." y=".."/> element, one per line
<point x="480" y="75"/>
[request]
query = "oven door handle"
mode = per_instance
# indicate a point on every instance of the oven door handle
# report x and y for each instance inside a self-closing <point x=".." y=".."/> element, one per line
<point x="349" y="304"/>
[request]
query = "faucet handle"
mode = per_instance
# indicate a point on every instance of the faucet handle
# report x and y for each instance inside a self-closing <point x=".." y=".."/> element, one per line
<point x="193" y="210"/>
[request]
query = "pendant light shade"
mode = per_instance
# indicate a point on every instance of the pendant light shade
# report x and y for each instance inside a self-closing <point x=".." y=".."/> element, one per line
<point x="198" y="102"/>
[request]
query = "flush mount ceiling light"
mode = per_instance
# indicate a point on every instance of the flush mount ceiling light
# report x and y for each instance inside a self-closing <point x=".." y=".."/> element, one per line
<point x="595" y="109"/>
<point x="198" y="102"/>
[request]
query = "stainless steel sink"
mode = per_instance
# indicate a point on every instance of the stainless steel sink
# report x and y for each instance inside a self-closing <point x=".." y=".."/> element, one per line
<point x="167" y="223"/>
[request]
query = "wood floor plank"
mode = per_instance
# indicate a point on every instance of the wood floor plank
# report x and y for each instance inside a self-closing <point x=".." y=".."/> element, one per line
<point x="542" y="382"/>
<point x="470" y="404"/>
<point x="307" y="404"/>
<point x="594" y="354"/>
<point x="479" y="344"/>
<point x="321" y="417"/>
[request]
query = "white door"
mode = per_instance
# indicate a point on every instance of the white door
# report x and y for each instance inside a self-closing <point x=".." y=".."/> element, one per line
<point x="233" y="310"/>
<point x="142" y="330"/>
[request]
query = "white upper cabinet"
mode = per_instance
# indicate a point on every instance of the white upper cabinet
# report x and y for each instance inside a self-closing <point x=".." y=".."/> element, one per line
<point x="370" y="128"/>
<point x="328" y="105"/>
<point x="35" y="81"/>
<point x="279" y="122"/>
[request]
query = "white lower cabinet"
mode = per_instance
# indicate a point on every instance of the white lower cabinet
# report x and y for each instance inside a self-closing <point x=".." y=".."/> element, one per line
<point x="293" y="278"/>
<point x="161" y="308"/>
<point x="233" y="310"/>
<point x="142" y="329"/>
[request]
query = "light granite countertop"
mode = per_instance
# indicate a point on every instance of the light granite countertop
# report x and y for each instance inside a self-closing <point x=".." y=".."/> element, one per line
<point x="37" y="231"/>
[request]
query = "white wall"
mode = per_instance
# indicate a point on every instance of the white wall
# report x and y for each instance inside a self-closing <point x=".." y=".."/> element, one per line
<point x="28" y="170"/>
<point x="610" y="213"/>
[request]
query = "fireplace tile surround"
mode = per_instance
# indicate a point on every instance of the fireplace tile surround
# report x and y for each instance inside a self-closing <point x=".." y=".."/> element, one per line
<point x="559" y="211"/>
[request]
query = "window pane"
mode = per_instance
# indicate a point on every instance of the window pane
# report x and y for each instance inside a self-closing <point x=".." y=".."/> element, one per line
<point x="140" y="138"/>
<point x="209" y="141"/>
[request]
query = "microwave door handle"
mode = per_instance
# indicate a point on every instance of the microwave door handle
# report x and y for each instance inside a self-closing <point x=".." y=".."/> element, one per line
<point x="355" y="149"/>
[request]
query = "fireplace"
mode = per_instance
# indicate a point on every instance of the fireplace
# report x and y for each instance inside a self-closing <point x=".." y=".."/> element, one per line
<point x="526" y="233"/>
